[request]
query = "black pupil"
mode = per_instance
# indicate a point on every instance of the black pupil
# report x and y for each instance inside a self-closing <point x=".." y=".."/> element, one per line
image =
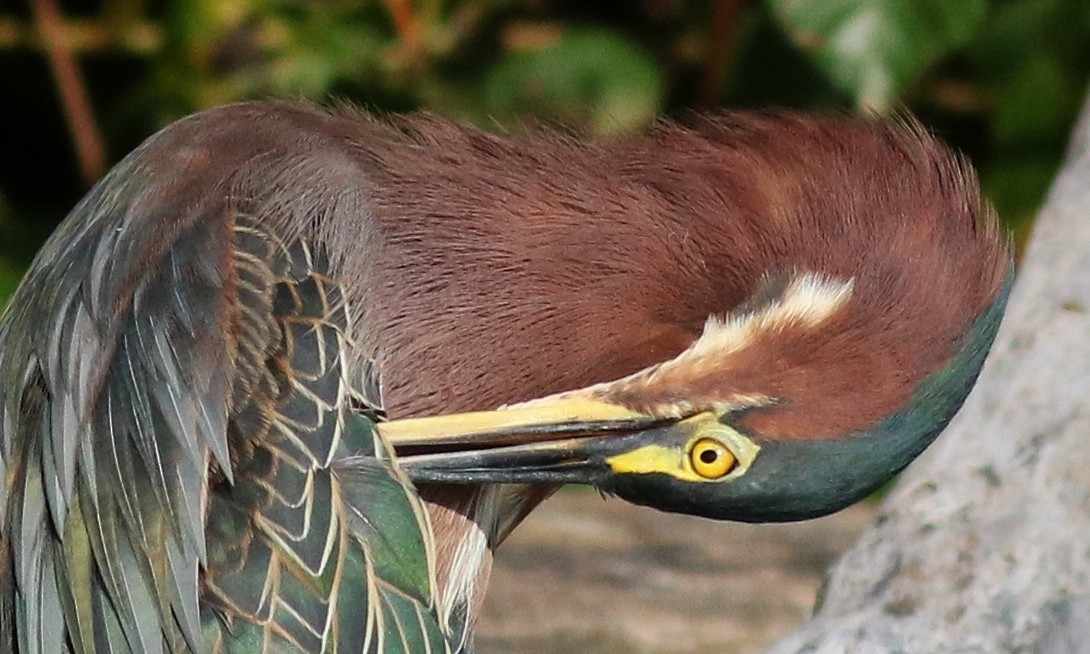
<point x="709" y="456"/>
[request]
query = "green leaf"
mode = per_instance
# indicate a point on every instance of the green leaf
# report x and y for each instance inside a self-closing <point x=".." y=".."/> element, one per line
<point x="9" y="279"/>
<point x="1017" y="185"/>
<point x="10" y="273"/>
<point x="1036" y="104"/>
<point x="593" y="78"/>
<point x="874" y="49"/>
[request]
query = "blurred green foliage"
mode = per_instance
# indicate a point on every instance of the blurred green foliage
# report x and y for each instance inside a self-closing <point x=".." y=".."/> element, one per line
<point x="1000" y="79"/>
<point x="874" y="50"/>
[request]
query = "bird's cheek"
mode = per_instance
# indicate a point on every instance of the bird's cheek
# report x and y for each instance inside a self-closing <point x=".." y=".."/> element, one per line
<point x="665" y="493"/>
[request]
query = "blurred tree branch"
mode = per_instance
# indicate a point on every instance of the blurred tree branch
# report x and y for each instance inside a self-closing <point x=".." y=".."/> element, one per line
<point x="90" y="151"/>
<point x="84" y="36"/>
<point x="726" y="17"/>
<point x="407" y="25"/>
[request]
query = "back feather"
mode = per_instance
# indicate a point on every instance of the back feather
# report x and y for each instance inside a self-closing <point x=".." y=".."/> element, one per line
<point x="186" y="465"/>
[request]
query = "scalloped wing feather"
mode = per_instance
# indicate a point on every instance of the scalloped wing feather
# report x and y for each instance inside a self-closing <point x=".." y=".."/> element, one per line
<point x="183" y="469"/>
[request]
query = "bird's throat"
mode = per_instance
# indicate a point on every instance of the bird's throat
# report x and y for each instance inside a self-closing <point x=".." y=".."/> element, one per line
<point x="479" y="518"/>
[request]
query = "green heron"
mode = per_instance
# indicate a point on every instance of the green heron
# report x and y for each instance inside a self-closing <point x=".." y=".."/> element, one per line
<point x="286" y="376"/>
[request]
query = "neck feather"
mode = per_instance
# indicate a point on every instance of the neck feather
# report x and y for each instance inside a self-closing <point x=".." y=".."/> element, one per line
<point x="564" y="265"/>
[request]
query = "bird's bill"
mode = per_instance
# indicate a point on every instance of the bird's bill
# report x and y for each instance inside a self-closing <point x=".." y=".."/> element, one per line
<point x="548" y="441"/>
<point x="520" y="424"/>
<point x="559" y="441"/>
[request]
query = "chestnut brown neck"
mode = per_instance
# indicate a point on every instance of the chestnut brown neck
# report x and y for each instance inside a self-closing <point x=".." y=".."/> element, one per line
<point x="517" y="268"/>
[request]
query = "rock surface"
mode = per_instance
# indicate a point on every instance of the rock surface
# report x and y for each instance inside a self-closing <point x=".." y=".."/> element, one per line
<point x="984" y="545"/>
<point x="584" y="574"/>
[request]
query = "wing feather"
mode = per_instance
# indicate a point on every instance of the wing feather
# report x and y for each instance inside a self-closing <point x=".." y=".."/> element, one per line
<point x="187" y="441"/>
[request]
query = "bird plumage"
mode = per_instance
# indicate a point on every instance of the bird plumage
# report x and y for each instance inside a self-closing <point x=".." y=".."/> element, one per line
<point x="192" y="372"/>
<point x="187" y="468"/>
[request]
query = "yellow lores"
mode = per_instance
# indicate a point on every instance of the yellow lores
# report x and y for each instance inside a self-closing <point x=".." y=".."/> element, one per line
<point x="715" y="452"/>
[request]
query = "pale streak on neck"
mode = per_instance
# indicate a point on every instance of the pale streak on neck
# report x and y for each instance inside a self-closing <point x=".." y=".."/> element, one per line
<point x="808" y="301"/>
<point x="479" y="524"/>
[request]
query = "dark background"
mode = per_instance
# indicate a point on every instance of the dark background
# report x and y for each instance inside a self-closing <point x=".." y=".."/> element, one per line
<point x="83" y="82"/>
<point x="999" y="79"/>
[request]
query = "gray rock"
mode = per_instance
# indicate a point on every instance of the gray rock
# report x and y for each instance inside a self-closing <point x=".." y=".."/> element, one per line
<point x="984" y="544"/>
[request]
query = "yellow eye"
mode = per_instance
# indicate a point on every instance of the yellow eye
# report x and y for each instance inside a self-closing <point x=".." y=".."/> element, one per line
<point x="711" y="459"/>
